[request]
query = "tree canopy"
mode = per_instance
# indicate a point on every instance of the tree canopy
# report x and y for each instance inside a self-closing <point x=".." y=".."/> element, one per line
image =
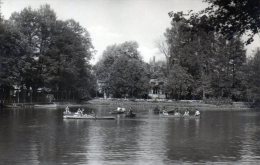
<point x="123" y="71"/>
<point x="213" y="62"/>
<point x="47" y="53"/>
<point x="235" y="17"/>
<point x="231" y="18"/>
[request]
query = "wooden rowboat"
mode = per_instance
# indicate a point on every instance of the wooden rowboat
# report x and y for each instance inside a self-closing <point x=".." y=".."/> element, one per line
<point x="89" y="117"/>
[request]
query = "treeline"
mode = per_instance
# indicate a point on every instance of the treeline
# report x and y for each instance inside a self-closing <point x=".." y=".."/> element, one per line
<point x="205" y="64"/>
<point x="40" y="54"/>
<point x="201" y="64"/>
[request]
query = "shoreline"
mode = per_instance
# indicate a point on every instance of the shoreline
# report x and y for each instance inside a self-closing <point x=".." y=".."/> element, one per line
<point x="171" y="105"/>
<point x="150" y="104"/>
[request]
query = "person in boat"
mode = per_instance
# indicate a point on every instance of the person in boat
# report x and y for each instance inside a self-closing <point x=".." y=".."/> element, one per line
<point x="197" y="113"/>
<point x="156" y="109"/>
<point x="80" y="112"/>
<point x="164" y="112"/>
<point x="186" y="113"/>
<point x="177" y="113"/>
<point x="130" y="112"/>
<point x="67" y="110"/>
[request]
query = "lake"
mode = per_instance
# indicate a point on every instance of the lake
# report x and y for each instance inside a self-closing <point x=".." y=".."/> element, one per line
<point x="42" y="136"/>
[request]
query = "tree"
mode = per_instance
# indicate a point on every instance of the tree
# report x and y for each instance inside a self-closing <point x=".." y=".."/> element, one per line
<point x="228" y="69"/>
<point x="12" y="51"/>
<point x="123" y="71"/>
<point x="232" y="17"/>
<point x="65" y="63"/>
<point x="179" y="81"/>
<point x="58" y="53"/>
<point x="191" y="43"/>
<point x="214" y="62"/>
<point x="164" y="48"/>
<point x="254" y="77"/>
<point x="35" y="28"/>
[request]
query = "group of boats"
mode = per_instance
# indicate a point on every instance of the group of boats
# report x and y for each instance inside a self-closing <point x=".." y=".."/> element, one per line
<point x="179" y="115"/>
<point x="67" y="114"/>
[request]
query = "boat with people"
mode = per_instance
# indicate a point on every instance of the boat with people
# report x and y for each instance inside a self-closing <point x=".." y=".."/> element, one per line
<point x="130" y="114"/>
<point x="167" y="115"/>
<point x="67" y="114"/>
<point x="90" y="117"/>
<point x="119" y="110"/>
<point x="177" y="114"/>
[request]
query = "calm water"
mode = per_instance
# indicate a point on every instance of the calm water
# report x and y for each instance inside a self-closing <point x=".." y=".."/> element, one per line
<point x="42" y="136"/>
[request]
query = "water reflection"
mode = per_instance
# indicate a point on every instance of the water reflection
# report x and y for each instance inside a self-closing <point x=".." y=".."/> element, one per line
<point x="43" y="137"/>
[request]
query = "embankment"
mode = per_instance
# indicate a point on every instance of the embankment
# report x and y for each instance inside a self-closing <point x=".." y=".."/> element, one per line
<point x="169" y="104"/>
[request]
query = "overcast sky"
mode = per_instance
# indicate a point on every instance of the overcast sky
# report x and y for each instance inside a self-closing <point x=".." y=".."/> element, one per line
<point x="116" y="21"/>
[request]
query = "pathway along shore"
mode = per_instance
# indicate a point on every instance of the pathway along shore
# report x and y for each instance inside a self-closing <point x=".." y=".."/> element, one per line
<point x="170" y="105"/>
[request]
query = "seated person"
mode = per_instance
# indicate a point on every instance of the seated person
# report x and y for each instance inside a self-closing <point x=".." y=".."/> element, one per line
<point x="165" y="112"/>
<point x="197" y="113"/>
<point x="177" y="113"/>
<point x="67" y="110"/>
<point x="186" y="113"/>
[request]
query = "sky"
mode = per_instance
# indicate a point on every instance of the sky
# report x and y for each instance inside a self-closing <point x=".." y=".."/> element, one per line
<point x="116" y="21"/>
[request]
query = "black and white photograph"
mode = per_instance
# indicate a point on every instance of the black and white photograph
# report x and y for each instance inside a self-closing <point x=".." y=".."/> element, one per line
<point x="129" y="82"/>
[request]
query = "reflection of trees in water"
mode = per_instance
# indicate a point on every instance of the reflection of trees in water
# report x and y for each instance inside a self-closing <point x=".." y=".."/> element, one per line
<point x="62" y="140"/>
<point x="152" y="141"/>
<point x="251" y="135"/>
<point x="39" y="136"/>
<point x="121" y="140"/>
<point x="17" y="143"/>
<point x="215" y="137"/>
<point x="43" y="137"/>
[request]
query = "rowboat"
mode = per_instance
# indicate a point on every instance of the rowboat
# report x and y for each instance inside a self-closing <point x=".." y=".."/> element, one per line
<point x="90" y="117"/>
<point x="170" y="116"/>
<point x="119" y="110"/>
<point x="166" y="115"/>
<point x="180" y="116"/>
<point x="130" y="115"/>
<point x="191" y="117"/>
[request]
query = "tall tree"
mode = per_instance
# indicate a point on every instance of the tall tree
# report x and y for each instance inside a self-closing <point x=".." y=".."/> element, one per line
<point x="58" y="52"/>
<point x="66" y="62"/>
<point x="232" y="17"/>
<point x="254" y="77"/>
<point x="196" y="46"/>
<point x="12" y="51"/>
<point x="179" y="82"/>
<point x="123" y="71"/>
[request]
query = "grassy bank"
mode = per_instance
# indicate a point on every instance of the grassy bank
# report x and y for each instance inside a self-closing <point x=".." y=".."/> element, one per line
<point x="169" y="104"/>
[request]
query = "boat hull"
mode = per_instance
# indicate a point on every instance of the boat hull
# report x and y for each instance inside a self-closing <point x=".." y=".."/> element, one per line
<point x="89" y="117"/>
<point x="133" y="115"/>
<point x="184" y="117"/>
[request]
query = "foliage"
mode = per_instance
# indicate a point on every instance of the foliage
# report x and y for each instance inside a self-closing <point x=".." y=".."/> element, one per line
<point x="47" y="53"/>
<point x="12" y="49"/>
<point x="254" y="77"/>
<point x="123" y="71"/>
<point x="214" y="63"/>
<point x="231" y="18"/>
<point x="179" y="81"/>
<point x="235" y="17"/>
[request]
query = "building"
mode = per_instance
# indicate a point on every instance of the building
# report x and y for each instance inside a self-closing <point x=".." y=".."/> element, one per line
<point x="157" y="89"/>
